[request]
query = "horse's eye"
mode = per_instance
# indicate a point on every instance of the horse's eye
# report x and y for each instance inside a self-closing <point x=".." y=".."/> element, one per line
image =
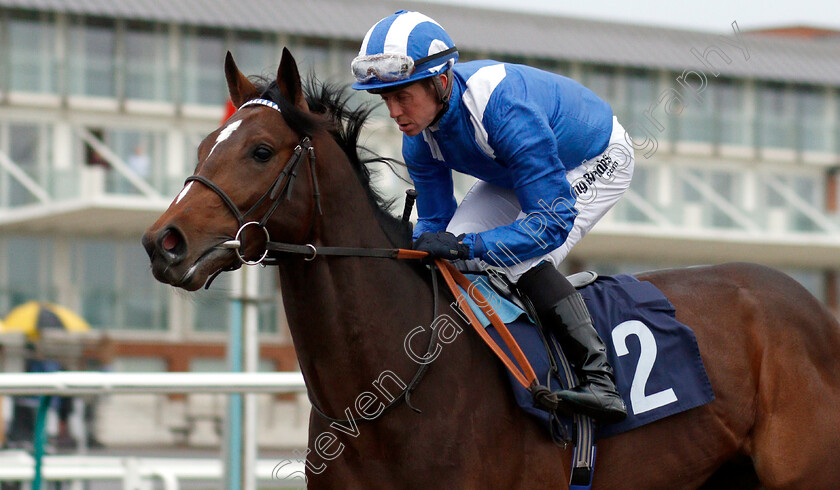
<point x="262" y="154"/>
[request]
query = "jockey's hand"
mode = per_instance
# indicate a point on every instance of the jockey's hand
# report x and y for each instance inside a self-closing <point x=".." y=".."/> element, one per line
<point x="442" y="244"/>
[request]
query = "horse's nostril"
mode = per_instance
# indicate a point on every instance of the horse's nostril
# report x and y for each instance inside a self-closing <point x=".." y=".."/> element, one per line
<point x="170" y="241"/>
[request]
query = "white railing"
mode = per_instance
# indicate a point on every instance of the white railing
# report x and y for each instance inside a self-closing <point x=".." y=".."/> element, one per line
<point x="98" y="383"/>
<point x="140" y="473"/>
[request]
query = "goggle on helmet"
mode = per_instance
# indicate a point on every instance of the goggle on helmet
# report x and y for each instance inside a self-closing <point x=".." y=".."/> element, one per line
<point x="402" y="48"/>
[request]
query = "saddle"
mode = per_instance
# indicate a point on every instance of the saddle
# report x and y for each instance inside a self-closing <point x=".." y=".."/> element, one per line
<point x="656" y="360"/>
<point x="507" y="290"/>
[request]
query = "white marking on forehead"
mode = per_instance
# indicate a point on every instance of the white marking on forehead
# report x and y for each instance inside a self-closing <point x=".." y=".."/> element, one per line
<point x="183" y="193"/>
<point x="225" y="134"/>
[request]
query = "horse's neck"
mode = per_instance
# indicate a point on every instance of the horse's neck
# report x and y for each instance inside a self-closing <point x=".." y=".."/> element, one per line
<point x="349" y="316"/>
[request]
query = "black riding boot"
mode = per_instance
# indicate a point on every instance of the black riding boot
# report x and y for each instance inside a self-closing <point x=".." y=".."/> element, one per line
<point x="568" y="317"/>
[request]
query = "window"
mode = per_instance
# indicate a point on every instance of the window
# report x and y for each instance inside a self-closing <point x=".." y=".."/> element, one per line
<point x="28" y="146"/>
<point x="346" y="54"/>
<point x="254" y="55"/>
<point x="735" y="127"/>
<point x="116" y="286"/>
<point x="644" y="184"/>
<point x="725" y="185"/>
<point x="211" y="307"/>
<point x="268" y="309"/>
<point x="91" y="57"/>
<point x="144" y="152"/>
<point x="32" y="53"/>
<point x="602" y="81"/>
<point x="810" y="190"/>
<point x="147" y="62"/>
<point x="639" y="95"/>
<point x="203" y="56"/>
<point x="696" y="122"/>
<point x="775" y="116"/>
<point x="314" y="57"/>
<point x="812" y="122"/>
<point x="26" y="264"/>
<point x="98" y="284"/>
<point x="143" y="301"/>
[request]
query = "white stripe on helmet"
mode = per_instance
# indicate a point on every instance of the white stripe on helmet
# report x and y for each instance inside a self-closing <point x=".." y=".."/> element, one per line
<point x="397" y="39"/>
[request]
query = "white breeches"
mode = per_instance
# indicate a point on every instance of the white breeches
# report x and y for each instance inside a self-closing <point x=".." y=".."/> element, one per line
<point x="598" y="184"/>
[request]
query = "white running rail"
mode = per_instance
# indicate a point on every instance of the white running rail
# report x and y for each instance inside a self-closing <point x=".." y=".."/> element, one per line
<point x="141" y="473"/>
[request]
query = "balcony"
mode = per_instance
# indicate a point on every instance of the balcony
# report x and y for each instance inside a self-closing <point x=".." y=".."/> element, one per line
<point x="104" y="197"/>
<point x="695" y="212"/>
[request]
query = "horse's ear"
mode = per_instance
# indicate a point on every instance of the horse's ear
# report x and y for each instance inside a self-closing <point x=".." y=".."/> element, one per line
<point x="240" y="88"/>
<point x="288" y="80"/>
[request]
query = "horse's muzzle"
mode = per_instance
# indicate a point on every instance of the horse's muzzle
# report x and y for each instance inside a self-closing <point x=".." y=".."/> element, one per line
<point x="167" y="249"/>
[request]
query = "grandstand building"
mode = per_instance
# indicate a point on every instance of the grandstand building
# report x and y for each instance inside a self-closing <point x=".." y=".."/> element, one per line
<point x="103" y="104"/>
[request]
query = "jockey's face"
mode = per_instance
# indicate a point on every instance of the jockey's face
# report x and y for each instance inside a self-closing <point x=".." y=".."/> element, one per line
<point x="414" y="107"/>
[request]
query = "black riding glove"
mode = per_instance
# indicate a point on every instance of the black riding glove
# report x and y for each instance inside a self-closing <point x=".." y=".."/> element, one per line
<point x="442" y="244"/>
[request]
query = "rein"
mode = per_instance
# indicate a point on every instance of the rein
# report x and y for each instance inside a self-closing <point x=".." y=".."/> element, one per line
<point x="282" y="186"/>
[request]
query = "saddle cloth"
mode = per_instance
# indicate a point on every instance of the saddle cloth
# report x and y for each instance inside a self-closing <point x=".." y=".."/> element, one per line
<point x="656" y="360"/>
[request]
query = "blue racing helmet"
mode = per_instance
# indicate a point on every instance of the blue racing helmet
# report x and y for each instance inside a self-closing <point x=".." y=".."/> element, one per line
<point x="402" y="48"/>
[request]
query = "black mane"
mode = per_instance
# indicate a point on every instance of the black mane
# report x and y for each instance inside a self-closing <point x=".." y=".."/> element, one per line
<point x="345" y="125"/>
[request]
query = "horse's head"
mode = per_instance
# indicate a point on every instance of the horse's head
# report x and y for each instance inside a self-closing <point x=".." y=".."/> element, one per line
<point x="246" y="171"/>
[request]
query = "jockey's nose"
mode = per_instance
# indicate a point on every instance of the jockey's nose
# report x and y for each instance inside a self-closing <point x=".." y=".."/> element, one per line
<point x="394" y="109"/>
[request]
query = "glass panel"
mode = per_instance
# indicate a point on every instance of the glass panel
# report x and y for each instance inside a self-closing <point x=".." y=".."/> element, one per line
<point x="212" y="306"/>
<point x="809" y="189"/>
<point x="254" y="55"/>
<point x="143" y="298"/>
<point x="91" y="57"/>
<point x="723" y="184"/>
<point x="24" y="150"/>
<point x="28" y="265"/>
<point x="98" y="285"/>
<point x="775" y="116"/>
<point x="640" y="92"/>
<point x="730" y="103"/>
<point x="812" y="119"/>
<point x="203" y="56"/>
<point x="144" y="152"/>
<point x="696" y="122"/>
<point x="312" y="56"/>
<point x="147" y="65"/>
<point x="602" y="82"/>
<point x="32" y="53"/>
<point x="268" y="302"/>
<point x="643" y="184"/>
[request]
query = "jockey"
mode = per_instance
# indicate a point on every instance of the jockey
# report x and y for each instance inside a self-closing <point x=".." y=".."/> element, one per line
<point x="550" y="159"/>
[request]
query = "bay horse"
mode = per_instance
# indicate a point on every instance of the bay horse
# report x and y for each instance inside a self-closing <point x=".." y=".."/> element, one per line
<point x="772" y="350"/>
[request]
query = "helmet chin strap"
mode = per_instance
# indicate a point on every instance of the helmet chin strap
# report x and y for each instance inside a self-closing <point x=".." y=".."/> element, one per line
<point x="443" y="94"/>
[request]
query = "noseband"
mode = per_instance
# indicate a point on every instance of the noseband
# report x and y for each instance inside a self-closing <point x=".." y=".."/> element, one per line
<point x="282" y="186"/>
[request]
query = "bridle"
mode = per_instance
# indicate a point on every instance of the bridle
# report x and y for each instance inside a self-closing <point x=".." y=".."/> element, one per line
<point x="282" y="186"/>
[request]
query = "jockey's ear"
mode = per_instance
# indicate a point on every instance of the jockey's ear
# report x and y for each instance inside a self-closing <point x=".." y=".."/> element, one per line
<point x="240" y="88"/>
<point x="288" y="80"/>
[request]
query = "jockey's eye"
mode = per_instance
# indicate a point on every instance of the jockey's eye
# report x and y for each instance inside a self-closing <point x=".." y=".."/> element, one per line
<point x="262" y="153"/>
